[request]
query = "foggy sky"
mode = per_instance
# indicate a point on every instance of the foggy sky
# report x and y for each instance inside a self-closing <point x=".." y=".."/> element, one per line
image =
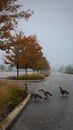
<point x="52" y="23"/>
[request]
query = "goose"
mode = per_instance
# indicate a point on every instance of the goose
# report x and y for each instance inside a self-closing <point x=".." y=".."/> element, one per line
<point x="36" y="96"/>
<point x="63" y="92"/>
<point x="46" y="93"/>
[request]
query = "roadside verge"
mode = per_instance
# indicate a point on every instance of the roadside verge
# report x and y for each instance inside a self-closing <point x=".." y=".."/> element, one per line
<point x="10" y="119"/>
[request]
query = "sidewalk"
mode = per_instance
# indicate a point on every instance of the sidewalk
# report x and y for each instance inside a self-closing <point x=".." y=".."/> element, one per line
<point x="12" y="117"/>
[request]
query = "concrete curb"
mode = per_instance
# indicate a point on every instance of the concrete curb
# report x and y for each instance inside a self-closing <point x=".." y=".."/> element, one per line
<point x="8" y="121"/>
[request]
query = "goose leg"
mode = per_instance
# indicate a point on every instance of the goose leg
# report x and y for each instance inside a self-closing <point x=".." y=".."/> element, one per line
<point x="46" y="97"/>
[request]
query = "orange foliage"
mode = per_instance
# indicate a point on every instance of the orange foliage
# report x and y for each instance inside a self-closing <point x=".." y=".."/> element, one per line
<point x="25" y="52"/>
<point x="9" y="15"/>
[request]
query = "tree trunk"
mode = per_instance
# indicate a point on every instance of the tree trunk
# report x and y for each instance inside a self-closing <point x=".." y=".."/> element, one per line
<point x="17" y="69"/>
<point x="33" y="71"/>
<point x="26" y="70"/>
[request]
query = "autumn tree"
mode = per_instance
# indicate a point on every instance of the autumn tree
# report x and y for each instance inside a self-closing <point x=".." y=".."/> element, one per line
<point x="32" y="52"/>
<point x="9" y="15"/>
<point x="41" y="64"/>
<point x="14" y="51"/>
<point x="23" y="52"/>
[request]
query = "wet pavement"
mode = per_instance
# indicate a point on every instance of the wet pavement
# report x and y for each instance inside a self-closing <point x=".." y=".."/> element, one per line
<point x="52" y="114"/>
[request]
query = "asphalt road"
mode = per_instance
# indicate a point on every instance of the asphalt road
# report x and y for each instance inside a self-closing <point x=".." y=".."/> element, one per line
<point x="52" y="114"/>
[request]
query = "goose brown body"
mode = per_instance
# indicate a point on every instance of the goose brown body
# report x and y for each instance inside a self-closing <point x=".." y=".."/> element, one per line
<point x="46" y="93"/>
<point x="63" y="92"/>
<point x="36" y="97"/>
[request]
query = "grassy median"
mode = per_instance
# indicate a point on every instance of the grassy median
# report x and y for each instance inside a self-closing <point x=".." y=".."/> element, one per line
<point x="11" y="94"/>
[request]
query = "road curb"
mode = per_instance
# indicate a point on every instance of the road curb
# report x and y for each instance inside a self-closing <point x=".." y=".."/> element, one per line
<point x="10" y="119"/>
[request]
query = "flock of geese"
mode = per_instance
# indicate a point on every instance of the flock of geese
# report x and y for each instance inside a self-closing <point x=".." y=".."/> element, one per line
<point x="37" y="96"/>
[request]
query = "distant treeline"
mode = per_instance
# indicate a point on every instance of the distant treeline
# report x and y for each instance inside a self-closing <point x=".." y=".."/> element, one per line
<point x="68" y="69"/>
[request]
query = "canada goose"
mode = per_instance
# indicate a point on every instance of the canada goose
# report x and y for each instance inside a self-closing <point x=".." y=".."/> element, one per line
<point x="36" y="97"/>
<point x="46" y="93"/>
<point x="63" y="92"/>
<point x="26" y="88"/>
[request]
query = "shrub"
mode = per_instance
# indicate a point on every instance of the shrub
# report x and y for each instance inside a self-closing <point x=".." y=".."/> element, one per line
<point x="10" y="95"/>
<point x="46" y="74"/>
<point x="16" y="93"/>
<point x="29" y="77"/>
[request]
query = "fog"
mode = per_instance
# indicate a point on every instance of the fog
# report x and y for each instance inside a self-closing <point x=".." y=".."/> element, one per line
<point x="52" y="23"/>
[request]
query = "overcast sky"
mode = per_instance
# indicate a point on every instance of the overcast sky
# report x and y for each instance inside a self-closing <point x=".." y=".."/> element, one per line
<point x="52" y="23"/>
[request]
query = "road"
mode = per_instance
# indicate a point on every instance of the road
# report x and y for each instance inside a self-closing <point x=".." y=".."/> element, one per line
<point x="52" y="114"/>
